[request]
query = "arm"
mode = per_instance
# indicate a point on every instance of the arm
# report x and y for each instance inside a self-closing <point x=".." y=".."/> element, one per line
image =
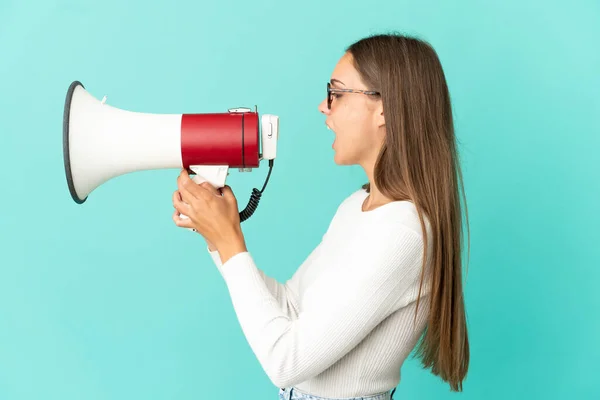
<point x="284" y="294"/>
<point x="374" y="278"/>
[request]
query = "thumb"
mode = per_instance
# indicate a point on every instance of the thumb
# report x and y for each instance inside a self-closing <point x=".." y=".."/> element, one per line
<point x="208" y="186"/>
<point x="228" y="193"/>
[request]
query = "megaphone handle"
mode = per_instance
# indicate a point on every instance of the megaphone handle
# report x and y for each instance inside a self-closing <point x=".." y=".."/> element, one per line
<point x="198" y="180"/>
<point x="215" y="174"/>
<point x="220" y="182"/>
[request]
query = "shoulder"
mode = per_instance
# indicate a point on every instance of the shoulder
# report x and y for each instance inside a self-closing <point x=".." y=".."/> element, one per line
<point x="393" y="217"/>
<point x="397" y="226"/>
<point x="352" y="198"/>
<point x="401" y="223"/>
<point x="406" y="214"/>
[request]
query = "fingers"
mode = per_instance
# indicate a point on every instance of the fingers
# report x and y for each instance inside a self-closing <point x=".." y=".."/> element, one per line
<point x="187" y="188"/>
<point x="180" y="206"/>
<point x="181" y="222"/>
<point x="210" y="188"/>
<point x="228" y="193"/>
<point x="226" y="190"/>
<point x="176" y="196"/>
<point x="190" y="190"/>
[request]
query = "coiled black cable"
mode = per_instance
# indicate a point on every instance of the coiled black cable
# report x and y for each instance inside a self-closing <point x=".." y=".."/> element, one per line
<point x="255" y="198"/>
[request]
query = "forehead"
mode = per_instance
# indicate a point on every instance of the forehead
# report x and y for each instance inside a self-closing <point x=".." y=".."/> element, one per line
<point x="344" y="71"/>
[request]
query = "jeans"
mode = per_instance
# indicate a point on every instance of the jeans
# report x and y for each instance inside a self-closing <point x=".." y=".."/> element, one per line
<point x="295" y="394"/>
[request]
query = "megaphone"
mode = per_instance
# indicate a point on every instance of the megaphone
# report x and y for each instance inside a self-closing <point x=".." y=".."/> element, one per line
<point x="101" y="142"/>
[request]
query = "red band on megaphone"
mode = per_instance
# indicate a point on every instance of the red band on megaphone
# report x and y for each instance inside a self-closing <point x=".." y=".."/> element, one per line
<point x="220" y="139"/>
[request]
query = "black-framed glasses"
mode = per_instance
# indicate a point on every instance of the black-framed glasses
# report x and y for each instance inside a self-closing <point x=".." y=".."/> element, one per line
<point x="331" y="91"/>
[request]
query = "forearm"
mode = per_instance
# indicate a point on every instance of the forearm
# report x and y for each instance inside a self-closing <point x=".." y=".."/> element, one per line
<point x="211" y="246"/>
<point x="228" y="250"/>
<point x="230" y="245"/>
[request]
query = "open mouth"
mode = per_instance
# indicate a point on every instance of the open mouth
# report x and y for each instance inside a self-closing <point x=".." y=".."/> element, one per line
<point x="329" y="128"/>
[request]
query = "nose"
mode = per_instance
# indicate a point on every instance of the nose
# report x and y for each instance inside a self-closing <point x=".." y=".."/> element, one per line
<point x="323" y="107"/>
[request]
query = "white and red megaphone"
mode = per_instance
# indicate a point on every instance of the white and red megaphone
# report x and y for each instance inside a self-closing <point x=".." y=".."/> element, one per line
<point x="101" y="142"/>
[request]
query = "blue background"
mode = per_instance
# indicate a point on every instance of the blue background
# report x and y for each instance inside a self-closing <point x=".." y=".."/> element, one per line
<point x="109" y="300"/>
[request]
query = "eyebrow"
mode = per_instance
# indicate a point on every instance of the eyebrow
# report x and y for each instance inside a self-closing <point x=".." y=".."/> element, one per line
<point x="337" y="80"/>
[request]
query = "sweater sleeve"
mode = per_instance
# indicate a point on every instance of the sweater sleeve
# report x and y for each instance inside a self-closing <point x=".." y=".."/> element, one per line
<point x="384" y="267"/>
<point x="284" y="294"/>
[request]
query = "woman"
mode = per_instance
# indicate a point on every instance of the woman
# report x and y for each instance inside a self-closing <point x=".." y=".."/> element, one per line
<point x="343" y="325"/>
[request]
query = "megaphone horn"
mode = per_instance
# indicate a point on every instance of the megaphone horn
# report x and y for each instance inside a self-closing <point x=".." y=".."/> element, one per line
<point x="101" y="142"/>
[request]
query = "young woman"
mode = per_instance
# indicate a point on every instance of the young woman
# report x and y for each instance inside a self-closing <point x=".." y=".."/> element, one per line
<point x="388" y="270"/>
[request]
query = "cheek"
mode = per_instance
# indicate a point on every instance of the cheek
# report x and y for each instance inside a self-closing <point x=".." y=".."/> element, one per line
<point x="348" y="121"/>
<point x="352" y="128"/>
<point x="350" y="140"/>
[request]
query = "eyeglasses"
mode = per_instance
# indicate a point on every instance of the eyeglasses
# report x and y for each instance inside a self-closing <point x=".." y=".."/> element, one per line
<point x="331" y="91"/>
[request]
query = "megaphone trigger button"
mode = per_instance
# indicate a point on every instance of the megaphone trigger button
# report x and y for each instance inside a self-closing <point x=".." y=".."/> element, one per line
<point x="239" y="110"/>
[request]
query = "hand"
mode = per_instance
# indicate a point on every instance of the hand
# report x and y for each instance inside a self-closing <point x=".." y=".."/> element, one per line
<point x="212" y="213"/>
<point x="177" y="215"/>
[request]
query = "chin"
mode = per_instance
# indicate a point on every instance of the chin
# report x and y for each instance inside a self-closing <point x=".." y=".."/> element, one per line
<point x="339" y="160"/>
<point x="336" y="158"/>
<point x="344" y="158"/>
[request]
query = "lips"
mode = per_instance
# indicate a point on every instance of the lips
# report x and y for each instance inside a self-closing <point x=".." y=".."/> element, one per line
<point x="329" y="128"/>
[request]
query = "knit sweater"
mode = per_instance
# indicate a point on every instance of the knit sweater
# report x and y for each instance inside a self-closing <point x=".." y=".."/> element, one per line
<point x="344" y="323"/>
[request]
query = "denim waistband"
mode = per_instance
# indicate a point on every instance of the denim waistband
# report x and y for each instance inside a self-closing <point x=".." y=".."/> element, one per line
<point x="296" y="394"/>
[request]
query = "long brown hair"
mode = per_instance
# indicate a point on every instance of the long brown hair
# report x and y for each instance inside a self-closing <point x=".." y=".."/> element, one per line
<point x="419" y="162"/>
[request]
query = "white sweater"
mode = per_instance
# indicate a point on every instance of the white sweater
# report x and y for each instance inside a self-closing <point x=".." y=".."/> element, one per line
<point x="342" y="326"/>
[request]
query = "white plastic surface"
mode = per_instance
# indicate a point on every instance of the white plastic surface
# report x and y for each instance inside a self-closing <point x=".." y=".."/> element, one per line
<point x="105" y="142"/>
<point x="216" y="175"/>
<point x="270" y="135"/>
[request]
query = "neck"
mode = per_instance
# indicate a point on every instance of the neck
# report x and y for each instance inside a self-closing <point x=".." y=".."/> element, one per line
<point x="375" y="198"/>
